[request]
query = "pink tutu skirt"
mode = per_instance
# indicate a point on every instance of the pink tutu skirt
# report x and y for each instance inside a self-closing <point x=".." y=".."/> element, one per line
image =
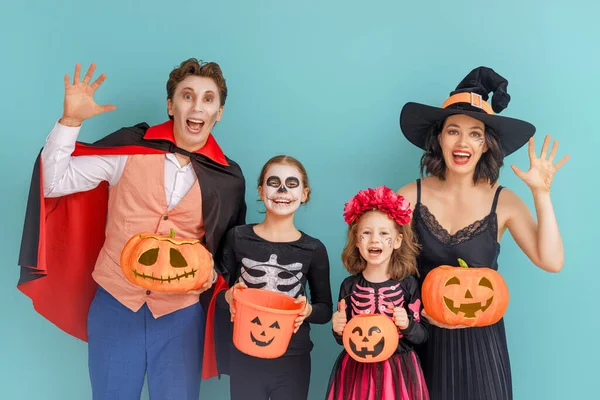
<point x="398" y="378"/>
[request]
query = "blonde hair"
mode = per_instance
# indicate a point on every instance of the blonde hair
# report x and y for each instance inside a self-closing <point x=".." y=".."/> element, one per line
<point x="403" y="261"/>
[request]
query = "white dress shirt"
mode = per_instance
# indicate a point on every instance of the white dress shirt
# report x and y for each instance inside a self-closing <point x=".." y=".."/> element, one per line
<point x="64" y="174"/>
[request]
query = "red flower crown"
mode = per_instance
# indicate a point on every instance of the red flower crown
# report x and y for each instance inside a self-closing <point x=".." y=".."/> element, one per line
<point x="381" y="198"/>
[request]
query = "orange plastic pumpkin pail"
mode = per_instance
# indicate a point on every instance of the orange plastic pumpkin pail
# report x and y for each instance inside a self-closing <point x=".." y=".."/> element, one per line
<point x="370" y="338"/>
<point x="264" y="322"/>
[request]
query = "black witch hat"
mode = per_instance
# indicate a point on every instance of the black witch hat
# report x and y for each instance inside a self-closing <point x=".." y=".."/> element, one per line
<point x="470" y="98"/>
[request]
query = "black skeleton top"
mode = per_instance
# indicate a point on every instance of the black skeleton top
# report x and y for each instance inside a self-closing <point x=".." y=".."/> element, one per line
<point x="283" y="267"/>
<point x="365" y="297"/>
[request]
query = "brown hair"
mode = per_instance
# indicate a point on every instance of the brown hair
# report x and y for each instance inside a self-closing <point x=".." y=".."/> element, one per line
<point x="402" y="263"/>
<point x="193" y="67"/>
<point x="487" y="168"/>
<point x="283" y="159"/>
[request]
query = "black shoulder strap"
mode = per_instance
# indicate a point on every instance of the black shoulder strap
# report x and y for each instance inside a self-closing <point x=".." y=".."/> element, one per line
<point x="495" y="203"/>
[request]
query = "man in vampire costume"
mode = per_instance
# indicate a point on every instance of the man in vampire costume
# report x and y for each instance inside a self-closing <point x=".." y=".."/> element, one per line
<point x="87" y="200"/>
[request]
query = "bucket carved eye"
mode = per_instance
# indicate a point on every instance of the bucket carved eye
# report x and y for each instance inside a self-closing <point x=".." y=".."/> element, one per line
<point x="374" y="329"/>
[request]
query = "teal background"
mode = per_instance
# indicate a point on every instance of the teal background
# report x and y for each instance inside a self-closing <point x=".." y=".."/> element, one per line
<point x="323" y="81"/>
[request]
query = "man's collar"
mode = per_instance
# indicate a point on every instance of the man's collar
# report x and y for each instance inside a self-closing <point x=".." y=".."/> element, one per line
<point x="164" y="131"/>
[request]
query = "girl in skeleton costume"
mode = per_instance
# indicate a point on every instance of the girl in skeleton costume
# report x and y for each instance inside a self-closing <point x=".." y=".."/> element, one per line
<point x="380" y="254"/>
<point x="274" y="255"/>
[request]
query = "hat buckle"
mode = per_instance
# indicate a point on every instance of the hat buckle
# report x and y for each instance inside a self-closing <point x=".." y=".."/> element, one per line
<point x="476" y="100"/>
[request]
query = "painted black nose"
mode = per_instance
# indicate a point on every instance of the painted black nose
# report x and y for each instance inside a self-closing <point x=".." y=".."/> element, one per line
<point x="282" y="189"/>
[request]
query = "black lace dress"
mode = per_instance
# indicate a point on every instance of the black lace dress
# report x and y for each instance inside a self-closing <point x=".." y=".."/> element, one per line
<point x="468" y="363"/>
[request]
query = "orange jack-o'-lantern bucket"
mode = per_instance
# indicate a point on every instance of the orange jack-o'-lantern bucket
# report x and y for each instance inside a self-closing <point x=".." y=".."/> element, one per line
<point x="264" y="321"/>
<point x="370" y="338"/>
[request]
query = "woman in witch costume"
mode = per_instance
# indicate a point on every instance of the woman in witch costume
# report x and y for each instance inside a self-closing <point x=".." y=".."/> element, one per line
<point x="465" y="144"/>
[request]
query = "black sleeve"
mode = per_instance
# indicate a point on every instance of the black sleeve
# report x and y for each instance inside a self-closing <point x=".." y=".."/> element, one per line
<point x="238" y="217"/>
<point x="226" y="265"/>
<point x="416" y="333"/>
<point x="320" y="289"/>
<point x="345" y="289"/>
<point x="241" y="217"/>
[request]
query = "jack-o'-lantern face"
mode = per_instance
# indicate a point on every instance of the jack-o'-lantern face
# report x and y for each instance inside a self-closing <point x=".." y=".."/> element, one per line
<point x="370" y="344"/>
<point x="264" y="320"/>
<point x="370" y="338"/>
<point x="263" y="335"/>
<point x="464" y="296"/>
<point x="166" y="263"/>
<point x="468" y="295"/>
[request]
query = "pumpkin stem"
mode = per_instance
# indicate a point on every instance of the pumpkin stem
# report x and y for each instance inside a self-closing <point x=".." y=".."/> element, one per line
<point x="462" y="263"/>
<point x="172" y="235"/>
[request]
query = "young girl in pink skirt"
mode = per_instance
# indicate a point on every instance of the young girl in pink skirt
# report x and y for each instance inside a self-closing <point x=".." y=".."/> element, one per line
<point x="380" y="253"/>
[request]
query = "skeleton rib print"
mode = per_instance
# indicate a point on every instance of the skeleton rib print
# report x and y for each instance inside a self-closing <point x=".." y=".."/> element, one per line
<point x="368" y="300"/>
<point x="270" y="275"/>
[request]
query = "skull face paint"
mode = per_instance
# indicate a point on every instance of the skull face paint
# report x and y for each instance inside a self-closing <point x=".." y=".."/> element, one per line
<point x="290" y="183"/>
<point x="282" y="191"/>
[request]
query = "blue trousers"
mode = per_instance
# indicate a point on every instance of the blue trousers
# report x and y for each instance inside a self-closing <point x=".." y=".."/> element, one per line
<point x="125" y="345"/>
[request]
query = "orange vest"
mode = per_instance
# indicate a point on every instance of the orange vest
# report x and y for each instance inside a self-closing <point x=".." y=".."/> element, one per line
<point x="137" y="203"/>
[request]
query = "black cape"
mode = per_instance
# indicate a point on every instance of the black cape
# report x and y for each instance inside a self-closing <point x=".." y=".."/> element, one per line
<point x="63" y="236"/>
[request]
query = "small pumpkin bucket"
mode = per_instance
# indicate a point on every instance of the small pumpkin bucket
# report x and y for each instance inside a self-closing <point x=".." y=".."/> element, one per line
<point x="264" y="321"/>
<point x="370" y="338"/>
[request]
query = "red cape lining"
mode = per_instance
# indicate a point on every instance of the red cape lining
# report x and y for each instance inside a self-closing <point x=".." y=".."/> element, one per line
<point x="67" y="251"/>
